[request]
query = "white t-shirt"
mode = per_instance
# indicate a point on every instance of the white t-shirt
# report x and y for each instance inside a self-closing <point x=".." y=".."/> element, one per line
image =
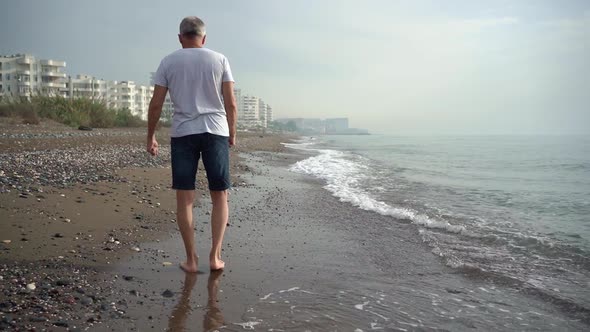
<point x="193" y="77"/>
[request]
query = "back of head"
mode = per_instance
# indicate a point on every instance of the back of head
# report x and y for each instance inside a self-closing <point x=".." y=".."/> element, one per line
<point x="192" y="26"/>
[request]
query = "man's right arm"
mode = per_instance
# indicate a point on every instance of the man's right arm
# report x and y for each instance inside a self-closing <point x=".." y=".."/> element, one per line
<point x="154" y="111"/>
<point x="231" y="110"/>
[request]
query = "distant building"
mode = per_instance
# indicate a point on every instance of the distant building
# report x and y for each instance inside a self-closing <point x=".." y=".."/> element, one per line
<point x="85" y="86"/>
<point x="238" y="96"/>
<point x="23" y="75"/>
<point x="128" y="95"/>
<point x="336" y="125"/>
<point x="168" y="107"/>
<point x="298" y="122"/>
<point x="269" y="115"/>
<point x="313" y="125"/>
<point x="263" y="109"/>
<point x="249" y="112"/>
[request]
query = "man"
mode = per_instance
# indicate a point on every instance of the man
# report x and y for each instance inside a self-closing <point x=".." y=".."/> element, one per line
<point x="200" y="83"/>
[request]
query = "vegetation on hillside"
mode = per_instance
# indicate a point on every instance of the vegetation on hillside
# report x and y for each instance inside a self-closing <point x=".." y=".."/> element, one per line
<point x="69" y="111"/>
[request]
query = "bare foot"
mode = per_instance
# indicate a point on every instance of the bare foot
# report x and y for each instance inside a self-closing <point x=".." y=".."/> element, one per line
<point x="216" y="264"/>
<point x="190" y="266"/>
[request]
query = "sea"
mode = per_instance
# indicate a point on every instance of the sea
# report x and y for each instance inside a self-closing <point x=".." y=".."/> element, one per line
<point x="513" y="209"/>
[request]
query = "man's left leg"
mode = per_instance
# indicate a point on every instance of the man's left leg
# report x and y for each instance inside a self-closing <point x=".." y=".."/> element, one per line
<point x="184" y="218"/>
<point x="219" y="217"/>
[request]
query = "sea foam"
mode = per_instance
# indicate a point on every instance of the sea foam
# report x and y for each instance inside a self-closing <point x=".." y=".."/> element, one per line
<point x="344" y="175"/>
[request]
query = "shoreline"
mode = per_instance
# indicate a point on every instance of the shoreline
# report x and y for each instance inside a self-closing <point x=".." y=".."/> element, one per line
<point x="298" y="258"/>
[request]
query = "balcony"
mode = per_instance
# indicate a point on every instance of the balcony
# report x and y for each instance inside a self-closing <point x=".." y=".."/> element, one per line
<point x="53" y="74"/>
<point x="23" y="72"/>
<point x="24" y="83"/>
<point x="53" y="63"/>
<point x="25" y="61"/>
<point x="53" y="85"/>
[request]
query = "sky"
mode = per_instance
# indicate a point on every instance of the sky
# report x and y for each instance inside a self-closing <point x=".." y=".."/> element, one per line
<point x="401" y="67"/>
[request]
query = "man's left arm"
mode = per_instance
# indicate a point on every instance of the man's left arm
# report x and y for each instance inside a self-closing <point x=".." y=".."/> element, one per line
<point x="154" y="112"/>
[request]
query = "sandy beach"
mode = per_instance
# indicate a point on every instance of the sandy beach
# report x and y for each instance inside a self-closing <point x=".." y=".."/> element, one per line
<point x="72" y="205"/>
<point x="103" y="255"/>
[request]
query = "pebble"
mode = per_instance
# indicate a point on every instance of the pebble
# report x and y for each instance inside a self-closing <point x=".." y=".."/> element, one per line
<point x="87" y="301"/>
<point x="63" y="282"/>
<point x="6" y="241"/>
<point x="136" y="249"/>
<point x="31" y="286"/>
<point x="37" y="319"/>
<point x="167" y="263"/>
<point x="61" y="323"/>
<point x="167" y="293"/>
<point x="58" y="235"/>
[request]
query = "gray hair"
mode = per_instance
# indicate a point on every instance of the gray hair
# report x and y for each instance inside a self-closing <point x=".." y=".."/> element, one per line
<point x="192" y="25"/>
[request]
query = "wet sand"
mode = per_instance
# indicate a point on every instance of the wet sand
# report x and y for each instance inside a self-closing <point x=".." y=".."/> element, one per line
<point x="298" y="259"/>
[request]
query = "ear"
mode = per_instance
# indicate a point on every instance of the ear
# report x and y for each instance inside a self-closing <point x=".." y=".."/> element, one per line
<point x="204" y="38"/>
<point x="180" y="38"/>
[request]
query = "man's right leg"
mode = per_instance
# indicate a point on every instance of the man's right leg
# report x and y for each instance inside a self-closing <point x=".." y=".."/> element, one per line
<point x="184" y="218"/>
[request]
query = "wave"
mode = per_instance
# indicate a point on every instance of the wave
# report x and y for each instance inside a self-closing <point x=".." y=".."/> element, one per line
<point x="344" y="173"/>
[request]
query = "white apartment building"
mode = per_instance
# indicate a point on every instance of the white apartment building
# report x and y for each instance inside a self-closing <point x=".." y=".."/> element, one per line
<point x="269" y="115"/>
<point x="23" y="75"/>
<point x="249" y="112"/>
<point x="263" y="109"/>
<point x="86" y="86"/>
<point x="127" y="94"/>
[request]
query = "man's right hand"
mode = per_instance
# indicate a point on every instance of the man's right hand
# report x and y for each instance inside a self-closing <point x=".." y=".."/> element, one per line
<point x="232" y="141"/>
<point x="152" y="146"/>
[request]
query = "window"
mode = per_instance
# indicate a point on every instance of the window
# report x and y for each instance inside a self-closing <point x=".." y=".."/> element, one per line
<point x="8" y="77"/>
<point x="0" y="75"/>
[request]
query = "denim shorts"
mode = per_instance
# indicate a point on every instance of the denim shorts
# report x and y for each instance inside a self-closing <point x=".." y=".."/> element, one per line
<point x="185" y="153"/>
